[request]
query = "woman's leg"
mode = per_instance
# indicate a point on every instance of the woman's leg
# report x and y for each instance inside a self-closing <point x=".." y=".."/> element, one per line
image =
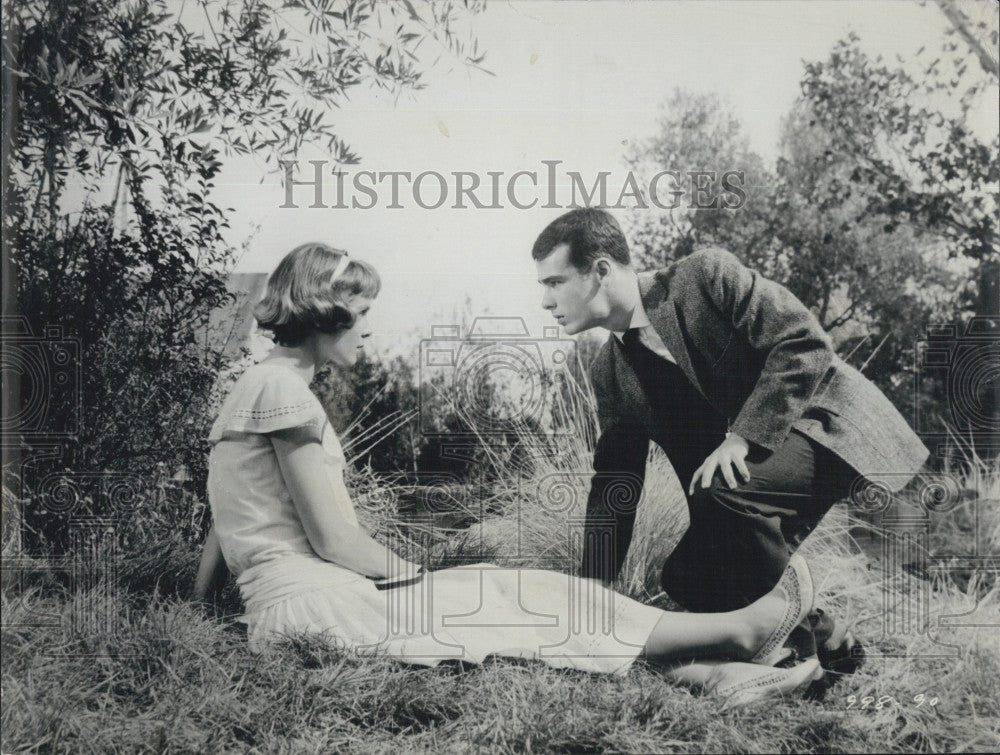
<point x="733" y="634"/>
<point x="740" y="634"/>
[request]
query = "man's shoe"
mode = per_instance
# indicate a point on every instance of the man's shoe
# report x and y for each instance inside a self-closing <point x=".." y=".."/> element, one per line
<point x="845" y="658"/>
<point x="836" y="647"/>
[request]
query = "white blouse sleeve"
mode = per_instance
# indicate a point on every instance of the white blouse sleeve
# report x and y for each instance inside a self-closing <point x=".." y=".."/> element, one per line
<point x="278" y="400"/>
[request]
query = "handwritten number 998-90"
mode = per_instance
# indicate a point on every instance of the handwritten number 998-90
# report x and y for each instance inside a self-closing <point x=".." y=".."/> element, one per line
<point x="870" y="701"/>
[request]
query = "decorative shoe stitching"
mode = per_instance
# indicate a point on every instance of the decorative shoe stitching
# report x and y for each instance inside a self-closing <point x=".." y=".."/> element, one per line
<point x="762" y="681"/>
<point x="789" y="620"/>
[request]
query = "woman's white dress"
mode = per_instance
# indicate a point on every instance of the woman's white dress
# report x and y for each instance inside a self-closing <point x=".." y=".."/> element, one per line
<point x="465" y="613"/>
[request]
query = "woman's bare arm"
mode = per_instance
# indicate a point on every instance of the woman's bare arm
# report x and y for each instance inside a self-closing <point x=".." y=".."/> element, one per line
<point x="212" y="571"/>
<point x="303" y="466"/>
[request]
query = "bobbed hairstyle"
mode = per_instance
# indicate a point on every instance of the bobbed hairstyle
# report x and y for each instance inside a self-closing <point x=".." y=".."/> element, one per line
<point x="302" y="295"/>
<point x="590" y="233"/>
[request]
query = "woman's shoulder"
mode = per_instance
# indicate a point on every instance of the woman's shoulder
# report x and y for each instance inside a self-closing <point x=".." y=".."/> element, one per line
<point x="274" y="374"/>
<point x="266" y="398"/>
<point x="275" y="388"/>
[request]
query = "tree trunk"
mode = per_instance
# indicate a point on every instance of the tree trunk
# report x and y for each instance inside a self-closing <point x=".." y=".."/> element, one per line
<point x="988" y="300"/>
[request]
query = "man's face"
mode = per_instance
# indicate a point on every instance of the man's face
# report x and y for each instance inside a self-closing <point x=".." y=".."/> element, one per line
<point x="577" y="300"/>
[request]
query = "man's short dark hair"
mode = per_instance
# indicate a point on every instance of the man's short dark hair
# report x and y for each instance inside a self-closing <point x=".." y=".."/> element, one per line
<point x="590" y="233"/>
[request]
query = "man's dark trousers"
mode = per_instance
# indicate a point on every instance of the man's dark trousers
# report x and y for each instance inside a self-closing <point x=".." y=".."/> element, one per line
<point x="739" y="540"/>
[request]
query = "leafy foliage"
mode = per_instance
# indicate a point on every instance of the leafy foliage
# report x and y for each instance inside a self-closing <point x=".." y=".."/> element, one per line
<point x="914" y="162"/>
<point x="696" y="133"/>
<point x="121" y="113"/>
<point x="162" y="672"/>
<point x="881" y="201"/>
<point x="247" y="76"/>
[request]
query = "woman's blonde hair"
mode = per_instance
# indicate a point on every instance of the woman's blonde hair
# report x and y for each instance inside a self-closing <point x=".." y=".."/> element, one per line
<point x="302" y="295"/>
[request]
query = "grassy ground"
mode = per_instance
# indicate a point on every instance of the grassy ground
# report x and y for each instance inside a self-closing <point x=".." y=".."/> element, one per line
<point x="169" y="677"/>
<point x="164" y="675"/>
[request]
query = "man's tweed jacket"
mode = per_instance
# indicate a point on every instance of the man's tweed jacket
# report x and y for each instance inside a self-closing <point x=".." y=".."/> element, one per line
<point x="760" y="357"/>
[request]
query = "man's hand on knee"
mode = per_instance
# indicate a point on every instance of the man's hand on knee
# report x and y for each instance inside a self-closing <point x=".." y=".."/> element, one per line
<point x="732" y="452"/>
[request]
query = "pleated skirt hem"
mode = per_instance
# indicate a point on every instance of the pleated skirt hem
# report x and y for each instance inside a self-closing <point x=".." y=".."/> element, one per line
<point x="467" y="614"/>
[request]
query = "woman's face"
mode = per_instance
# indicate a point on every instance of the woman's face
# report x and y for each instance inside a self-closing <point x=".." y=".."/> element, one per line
<point x="344" y="347"/>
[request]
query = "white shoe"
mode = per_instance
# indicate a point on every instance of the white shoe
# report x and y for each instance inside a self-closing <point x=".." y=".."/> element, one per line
<point x="797" y="589"/>
<point x="743" y="683"/>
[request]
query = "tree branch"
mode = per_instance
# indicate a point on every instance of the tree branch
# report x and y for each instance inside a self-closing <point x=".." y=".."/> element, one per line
<point x="987" y="59"/>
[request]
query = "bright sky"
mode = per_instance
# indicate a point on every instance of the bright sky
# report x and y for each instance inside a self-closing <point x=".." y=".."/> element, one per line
<point x="574" y="82"/>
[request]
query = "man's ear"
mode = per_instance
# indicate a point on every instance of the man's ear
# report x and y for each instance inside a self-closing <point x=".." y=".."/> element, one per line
<point x="603" y="268"/>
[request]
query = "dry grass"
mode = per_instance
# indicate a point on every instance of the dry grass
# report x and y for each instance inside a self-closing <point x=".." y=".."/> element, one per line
<point x="169" y="678"/>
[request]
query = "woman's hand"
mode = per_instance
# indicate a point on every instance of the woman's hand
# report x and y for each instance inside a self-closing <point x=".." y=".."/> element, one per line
<point x="409" y="576"/>
<point x="403" y="568"/>
<point x="731" y="452"/>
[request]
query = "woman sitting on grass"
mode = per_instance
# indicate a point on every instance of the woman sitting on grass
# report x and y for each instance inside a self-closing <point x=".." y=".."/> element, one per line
<point x="286" y="527"/>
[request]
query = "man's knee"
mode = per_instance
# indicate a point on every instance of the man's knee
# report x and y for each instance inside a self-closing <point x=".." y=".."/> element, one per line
<point x="703" y="493"/>
<point x="719" y="495"/>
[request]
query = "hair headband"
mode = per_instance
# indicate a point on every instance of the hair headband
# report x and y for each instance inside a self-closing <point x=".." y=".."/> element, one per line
<point x="342" y="264"/>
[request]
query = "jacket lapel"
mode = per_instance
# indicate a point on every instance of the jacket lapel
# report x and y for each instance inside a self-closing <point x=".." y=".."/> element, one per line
<point x="663" y="317"/>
